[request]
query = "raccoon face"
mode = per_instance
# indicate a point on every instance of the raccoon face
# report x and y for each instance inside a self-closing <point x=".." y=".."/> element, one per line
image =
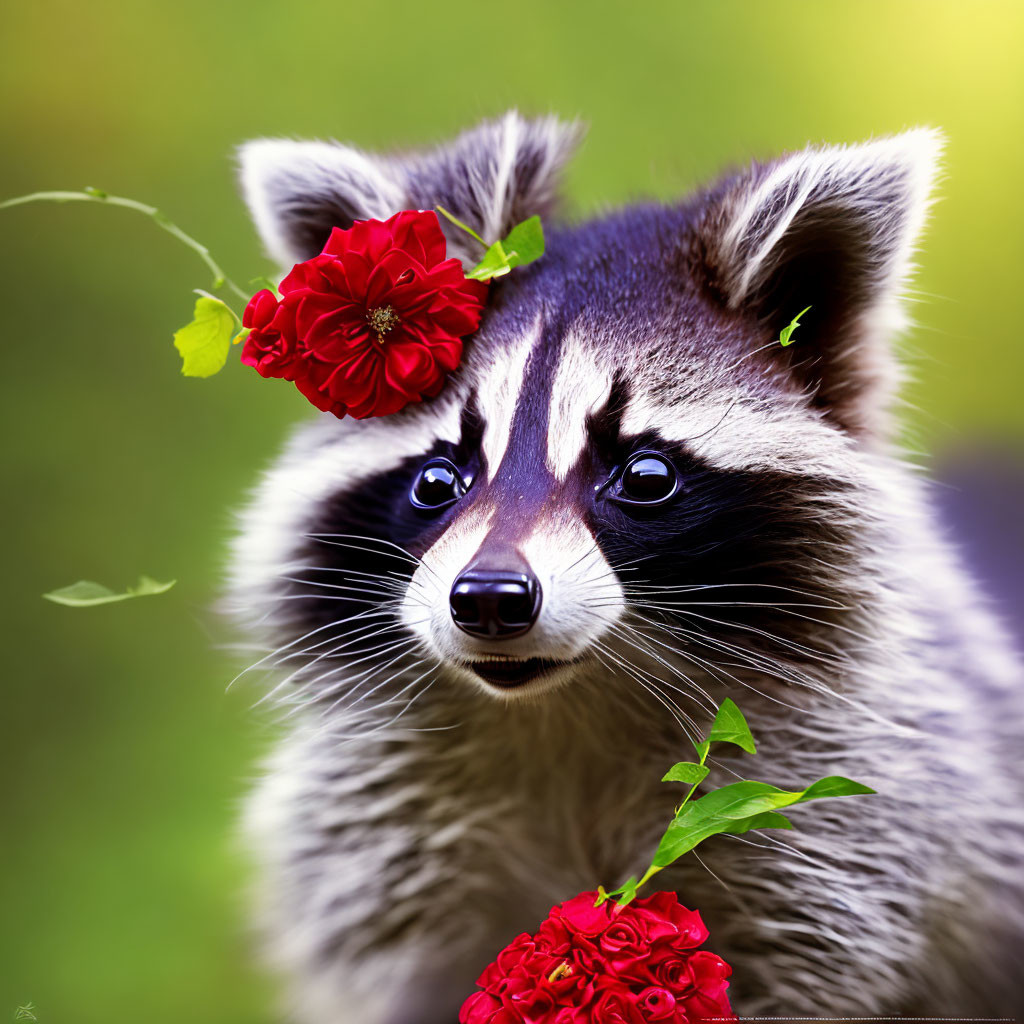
<point x="628" y="477"/>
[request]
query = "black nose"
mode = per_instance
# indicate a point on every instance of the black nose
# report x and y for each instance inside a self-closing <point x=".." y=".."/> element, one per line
<point x="496" y="605"/>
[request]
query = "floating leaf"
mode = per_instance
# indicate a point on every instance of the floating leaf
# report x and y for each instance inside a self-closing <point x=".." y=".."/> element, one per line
<point x="205" y="342"/>
<point x="688" y="772"/>
<point x="85" y="593"/>
<point x="786" y="335"/>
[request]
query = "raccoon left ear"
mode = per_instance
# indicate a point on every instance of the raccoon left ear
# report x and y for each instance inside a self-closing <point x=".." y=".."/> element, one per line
<point x="834" y="229"/>
<point x="491" y="177"/>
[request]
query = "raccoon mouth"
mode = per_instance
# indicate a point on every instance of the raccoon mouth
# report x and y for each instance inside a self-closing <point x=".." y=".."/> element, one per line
<point x="511" y="672"/>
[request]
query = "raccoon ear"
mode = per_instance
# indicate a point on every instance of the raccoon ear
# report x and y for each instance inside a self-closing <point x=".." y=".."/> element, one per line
<point x="833" y="229"/>
<point x="298" y="191"/>
<point x="491" y="177"/>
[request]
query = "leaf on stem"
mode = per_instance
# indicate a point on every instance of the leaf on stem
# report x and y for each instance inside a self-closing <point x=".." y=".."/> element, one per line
<point x="522" y="245"/>
<point x="729" y="726"/>
<point x="739" y="807"/>
<point x="205" y="342"/>
<point x="686" y="771"/>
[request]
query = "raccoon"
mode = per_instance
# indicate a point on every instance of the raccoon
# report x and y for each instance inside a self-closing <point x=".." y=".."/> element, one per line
<point x="496" y="617"/>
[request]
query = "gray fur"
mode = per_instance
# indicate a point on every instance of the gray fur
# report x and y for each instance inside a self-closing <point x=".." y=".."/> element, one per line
<point x="413" y="821"/>
<point x="488" y="177"/>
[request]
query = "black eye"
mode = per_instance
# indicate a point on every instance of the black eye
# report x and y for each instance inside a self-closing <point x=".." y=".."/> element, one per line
<point x="648" y="479"/>
<point x="437" y="485"/>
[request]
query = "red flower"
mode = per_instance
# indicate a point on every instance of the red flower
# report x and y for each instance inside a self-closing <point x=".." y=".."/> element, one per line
<point x="272" y="353"/>
<point x="636" y="964"/>
<point x="372" y="323"/>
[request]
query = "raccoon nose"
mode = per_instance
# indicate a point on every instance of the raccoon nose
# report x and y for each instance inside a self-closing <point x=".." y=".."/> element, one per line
<point x="495" y="605"/>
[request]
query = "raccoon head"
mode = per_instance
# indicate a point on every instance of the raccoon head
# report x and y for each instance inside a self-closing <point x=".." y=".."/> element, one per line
<point x="628" y="477"/>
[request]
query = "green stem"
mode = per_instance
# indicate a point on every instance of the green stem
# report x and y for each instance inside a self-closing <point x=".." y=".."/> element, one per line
<point x="654" y="869"/>
<point x="95" y="195"/>
<point x="460" y="224"/>
<point x="648" y="875"/>
<point x="693" y="788"/>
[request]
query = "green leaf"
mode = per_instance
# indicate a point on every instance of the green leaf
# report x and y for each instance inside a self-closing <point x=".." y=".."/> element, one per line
<point x="494" y="264"/>
<point x="85" y="593"/>
<point x="688" y="772"/>
<point x="835" y="785"/>
<point x="205" y="342"/>
<point x="786" y="335"/>
<point x="522" y="245"/>
<point x="730" y="726"/>
<point x="525" y="242"/>
<point x="737" y="807"/>
<point x="681" y="838"/>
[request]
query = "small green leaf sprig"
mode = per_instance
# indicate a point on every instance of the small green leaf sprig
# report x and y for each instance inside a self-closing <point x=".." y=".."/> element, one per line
<point x="205" y="341"/>
<point x="733" y="809"/>
<point x="786" y="334"/>
<point x="522" y="245"/>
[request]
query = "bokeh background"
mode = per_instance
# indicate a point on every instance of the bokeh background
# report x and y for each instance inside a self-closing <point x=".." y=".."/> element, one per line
<point x="123" y="754"/>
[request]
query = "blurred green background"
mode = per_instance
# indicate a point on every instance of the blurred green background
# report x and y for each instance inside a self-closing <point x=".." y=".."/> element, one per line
<point x="121" y="890"/>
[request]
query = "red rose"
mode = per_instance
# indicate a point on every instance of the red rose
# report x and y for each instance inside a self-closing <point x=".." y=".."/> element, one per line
<point x="272" y="353"/>
<point x="612" y="964"/>
<point x="616" y="1006"/>
<point x="581" y="916"/>
<point x="709" y="980"/>
<point x="372" y="323"/>
<point x="666" y="969"/>
<point x="657" y="1004"/>
<point x="666" y="916"/>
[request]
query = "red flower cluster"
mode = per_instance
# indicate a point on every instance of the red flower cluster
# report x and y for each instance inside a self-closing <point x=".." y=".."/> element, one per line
<point x="372" y="323"/>
<point x="606" y="965"/>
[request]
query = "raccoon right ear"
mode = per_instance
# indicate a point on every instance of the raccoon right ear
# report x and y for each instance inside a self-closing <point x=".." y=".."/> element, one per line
<point x="491" y="177"/>
<point x="832" y="228"/>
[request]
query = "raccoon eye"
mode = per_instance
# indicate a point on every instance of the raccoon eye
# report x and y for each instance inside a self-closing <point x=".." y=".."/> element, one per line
<point x="438" y="485"/>
<point x="647" y="479"/>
